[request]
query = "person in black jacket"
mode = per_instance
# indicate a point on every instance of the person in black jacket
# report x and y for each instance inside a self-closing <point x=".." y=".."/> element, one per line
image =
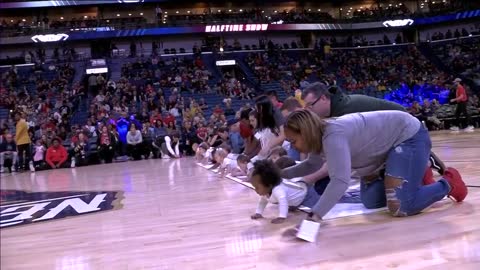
<point x="106" y="145"/>
<point x="8" y="153"/>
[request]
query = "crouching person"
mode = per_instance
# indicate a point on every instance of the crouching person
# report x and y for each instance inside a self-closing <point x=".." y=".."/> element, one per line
<point x="56" y="155"/>
<point x="171" y="147"/>
<point x="8" y="154"/>
<point x="79" y="151"/>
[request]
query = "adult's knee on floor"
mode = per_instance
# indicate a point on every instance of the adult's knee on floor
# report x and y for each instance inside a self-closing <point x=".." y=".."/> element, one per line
<point x="373" y="203"/>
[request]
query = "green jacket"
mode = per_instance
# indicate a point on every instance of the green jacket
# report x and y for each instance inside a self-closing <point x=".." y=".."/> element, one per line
<point x="342" y="104"/>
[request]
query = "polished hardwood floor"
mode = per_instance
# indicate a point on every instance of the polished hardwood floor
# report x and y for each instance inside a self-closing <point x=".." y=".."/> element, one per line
<point x="177" y="215"/>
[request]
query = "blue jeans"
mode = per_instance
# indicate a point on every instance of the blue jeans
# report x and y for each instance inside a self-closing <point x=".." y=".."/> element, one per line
<point x="293" y="154"/>
<point x="406" y="164"/>
<point x="311" y="198"/>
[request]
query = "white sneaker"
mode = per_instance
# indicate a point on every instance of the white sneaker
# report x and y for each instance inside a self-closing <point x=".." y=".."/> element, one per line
<point x="454" y="128"/>
<point x="72" y="165"/>
<point x="469" y="128"/>
<point x="32" y="168"/>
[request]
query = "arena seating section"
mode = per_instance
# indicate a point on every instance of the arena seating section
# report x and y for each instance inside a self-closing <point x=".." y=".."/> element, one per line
<point x="402" y="73"/>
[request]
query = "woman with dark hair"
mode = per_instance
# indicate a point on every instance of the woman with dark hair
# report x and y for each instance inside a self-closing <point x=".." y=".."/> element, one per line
<point x="188" y="138"/>
<point x="269" y="126"/>
<point x="171" y="127"/>
<point x="134" y="143"/>
<point x="106" y="145"/>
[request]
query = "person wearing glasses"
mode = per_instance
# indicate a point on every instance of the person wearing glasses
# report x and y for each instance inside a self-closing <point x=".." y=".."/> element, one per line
<point x="329" y="101"/>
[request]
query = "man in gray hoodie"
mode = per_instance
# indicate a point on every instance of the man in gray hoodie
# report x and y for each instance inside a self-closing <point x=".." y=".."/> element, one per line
<point x="329" y="101"/>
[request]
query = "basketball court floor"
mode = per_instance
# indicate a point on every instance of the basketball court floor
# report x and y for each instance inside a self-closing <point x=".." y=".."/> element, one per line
<point x="174" y="214"/>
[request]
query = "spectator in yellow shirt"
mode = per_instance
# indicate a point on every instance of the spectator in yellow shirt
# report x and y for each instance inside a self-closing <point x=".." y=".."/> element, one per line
<point x="23" y="141"/>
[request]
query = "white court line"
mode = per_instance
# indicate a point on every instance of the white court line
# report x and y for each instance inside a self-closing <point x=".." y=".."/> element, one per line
<point x="46" y="200"/>
<point x="247" y="184"/>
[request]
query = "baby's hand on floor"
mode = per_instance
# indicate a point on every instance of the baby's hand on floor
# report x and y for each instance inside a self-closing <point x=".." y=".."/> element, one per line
<point x="256" y="216"/>
<point x="278" y="220"/>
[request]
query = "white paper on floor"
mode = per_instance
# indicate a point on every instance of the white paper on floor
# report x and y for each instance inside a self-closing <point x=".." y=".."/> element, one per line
<point x="338" y="211"/>
<point x="308" y="230"/>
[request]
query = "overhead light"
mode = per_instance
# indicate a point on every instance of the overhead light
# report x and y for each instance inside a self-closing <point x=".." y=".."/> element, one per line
<point x="361" y="7"/>
<point x="129" y="14"/>
<point x="309" y="9"/>
<point x="141" y="13"/>
<point x="188" y="12"/>
<point x="61" y="18"/>
<point x="23" y="20"/>
<point x="341" y="8"/>
<point x="433" y="2"/>
<point x="176" y="12"/>
<point x="49" y="38"/>
<point x="263" y="11"/>
<point x="165" y="15"/>
<point x="319" y="9"/>
<point x="11" y="20"/>
<point x="390" y="5"/>
<point x="85" y="16"/>
<point x="241" y="10"/>
<point x="118" y="15"/>
<point x="108" y="21"/>
<point x="351" y="7"/>
<point x="219" y="10"/>
<point x="164" y="22"/>
<point x="358" y="10"/>
<point x="166" y="12"/>
<point x="229" y="10"/>
<point x="275" y="11"/>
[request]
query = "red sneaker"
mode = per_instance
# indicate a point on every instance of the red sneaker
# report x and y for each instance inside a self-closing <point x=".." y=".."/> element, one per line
<point x="428" y="177"/>
<point x="459" y="190"/>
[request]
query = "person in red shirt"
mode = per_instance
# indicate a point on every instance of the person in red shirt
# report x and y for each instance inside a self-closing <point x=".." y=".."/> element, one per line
<point x="217" y="110"/>
<point x="461" y="99"/>
<point x="202" y="132"/>
<point x="57" y="155"/>
<point x="156" y="116"/>
<point x="273" y="96"/>
<point x="169" y="119"/>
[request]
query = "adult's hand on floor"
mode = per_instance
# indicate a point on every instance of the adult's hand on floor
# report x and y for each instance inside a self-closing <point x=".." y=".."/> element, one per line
<point x="256" y="216"/>
<point x="278" y="220"/>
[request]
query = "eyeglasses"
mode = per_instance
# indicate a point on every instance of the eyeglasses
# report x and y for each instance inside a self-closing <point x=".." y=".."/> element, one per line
<point x="313" y="103"/>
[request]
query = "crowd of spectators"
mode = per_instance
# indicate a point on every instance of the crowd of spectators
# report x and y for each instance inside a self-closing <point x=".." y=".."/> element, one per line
<point x="44" y="97"/>
<point x="376" y="13"/>
<point x="187" y="74"/>
<point x="448" y="35"/>
<point x="20" y="27"/>
<point x="16" y="27"/>
<point x="152" y="112"/>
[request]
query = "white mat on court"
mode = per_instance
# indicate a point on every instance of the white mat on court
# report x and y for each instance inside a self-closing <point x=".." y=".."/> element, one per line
<point x="338" y="211"/>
